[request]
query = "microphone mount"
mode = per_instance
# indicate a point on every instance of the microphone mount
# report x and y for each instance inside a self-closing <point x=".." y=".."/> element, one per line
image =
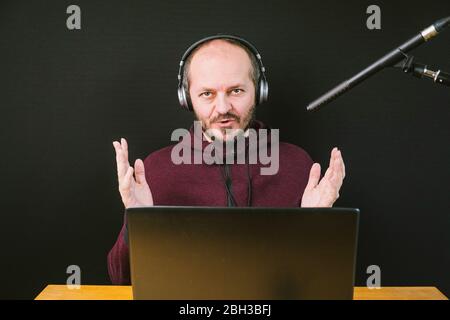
<point x="419" y="70"/>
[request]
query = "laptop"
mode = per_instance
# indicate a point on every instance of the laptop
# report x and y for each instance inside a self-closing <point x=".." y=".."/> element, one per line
<point x="222" y="253"/>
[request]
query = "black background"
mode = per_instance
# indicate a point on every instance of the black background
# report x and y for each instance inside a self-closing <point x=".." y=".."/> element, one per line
<point x="66" y="95"/>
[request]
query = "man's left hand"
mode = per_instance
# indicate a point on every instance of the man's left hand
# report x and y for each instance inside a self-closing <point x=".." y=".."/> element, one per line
<point x="325" y="192"/>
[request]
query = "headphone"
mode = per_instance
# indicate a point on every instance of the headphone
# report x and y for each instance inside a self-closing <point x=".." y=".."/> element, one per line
<point x="262" y="86"/>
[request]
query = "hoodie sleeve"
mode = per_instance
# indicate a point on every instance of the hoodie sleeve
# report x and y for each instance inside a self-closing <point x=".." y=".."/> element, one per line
<point x="119" y="256"/>
<point x="118" y="259"/>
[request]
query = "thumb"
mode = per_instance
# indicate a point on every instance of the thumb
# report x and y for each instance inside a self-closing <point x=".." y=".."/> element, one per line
<point x="139" y="171"/>
<point x="314" y="176"/>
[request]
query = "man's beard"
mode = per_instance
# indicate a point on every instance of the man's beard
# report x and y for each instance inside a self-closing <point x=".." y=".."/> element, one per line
<point x="243" y="122"/>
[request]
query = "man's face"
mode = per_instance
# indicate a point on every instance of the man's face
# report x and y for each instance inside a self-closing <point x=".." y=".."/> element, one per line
<point x="220" y="86"/>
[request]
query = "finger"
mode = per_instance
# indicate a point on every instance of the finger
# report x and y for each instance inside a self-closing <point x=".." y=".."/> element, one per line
<point x="122" y="158"/>
<point x="118" y="149"/>
<point x="343" y="164"/>
<point x="337" y="180"/>
<point x="339" y="167"/>
<point x="122" y="161"/>
<point x="329" y="174"/>
<point x="332" y="156"/>
<point x="116" y="146"/>
<point x="125" y="148"/>
<point x="125" y="184"/>
<point x="331" y="183"/>
<point x="314" y="176"/>
<point x="331" y="167"/>
<point x="139" y="171"/>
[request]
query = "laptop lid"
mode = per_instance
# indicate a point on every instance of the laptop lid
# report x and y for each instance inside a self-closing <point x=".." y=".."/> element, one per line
<point x="242" y="253"/>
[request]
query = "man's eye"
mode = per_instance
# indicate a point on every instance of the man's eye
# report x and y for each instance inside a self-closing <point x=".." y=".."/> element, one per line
<point x="237" y="91"/>
<point x="206" y="94"/>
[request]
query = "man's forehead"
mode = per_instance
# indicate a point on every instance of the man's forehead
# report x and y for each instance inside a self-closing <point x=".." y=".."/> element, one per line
<point x="218" y="79"/>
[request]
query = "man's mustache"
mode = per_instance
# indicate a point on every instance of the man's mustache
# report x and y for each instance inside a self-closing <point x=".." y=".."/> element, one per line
<point x="226" y="116"/>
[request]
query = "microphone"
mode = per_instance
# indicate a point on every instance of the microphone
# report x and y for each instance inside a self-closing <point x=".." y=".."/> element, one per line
<point x="388" y="60"/>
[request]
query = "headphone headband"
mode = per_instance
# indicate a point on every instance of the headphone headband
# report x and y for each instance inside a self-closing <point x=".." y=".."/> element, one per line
<point x="261" y="87"/>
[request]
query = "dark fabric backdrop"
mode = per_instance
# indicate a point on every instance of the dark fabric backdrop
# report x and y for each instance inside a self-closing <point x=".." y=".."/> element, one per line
<point x="66" y="95"/>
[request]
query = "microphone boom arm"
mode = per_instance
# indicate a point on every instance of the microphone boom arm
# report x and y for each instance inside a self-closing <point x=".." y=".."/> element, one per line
<point x="388" y="60"/>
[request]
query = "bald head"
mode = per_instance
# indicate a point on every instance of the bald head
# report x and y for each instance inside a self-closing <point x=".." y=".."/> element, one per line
<point x="229" y="49"/>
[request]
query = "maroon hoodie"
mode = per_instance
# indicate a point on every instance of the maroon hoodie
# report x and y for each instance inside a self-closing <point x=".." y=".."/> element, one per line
<point x="206" y="185"/>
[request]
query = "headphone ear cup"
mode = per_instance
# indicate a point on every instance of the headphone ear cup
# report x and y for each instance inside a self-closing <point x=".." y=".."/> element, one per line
<point x="183" y="99"/>
<point x="263" y="91"/>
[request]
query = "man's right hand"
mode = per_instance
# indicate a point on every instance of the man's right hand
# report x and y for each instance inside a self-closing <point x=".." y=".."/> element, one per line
<point x="134" y="192"/>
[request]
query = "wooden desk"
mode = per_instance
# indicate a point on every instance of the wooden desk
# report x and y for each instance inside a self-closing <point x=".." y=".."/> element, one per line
<point x="61" y="292"/>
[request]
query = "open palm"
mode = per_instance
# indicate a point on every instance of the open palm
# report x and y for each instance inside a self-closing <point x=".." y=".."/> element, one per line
<point x="325" y="192"/>
<point x="134" y="190"/>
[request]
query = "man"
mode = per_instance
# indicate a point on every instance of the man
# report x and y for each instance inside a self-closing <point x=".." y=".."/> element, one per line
<point x="222" y="82"/>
